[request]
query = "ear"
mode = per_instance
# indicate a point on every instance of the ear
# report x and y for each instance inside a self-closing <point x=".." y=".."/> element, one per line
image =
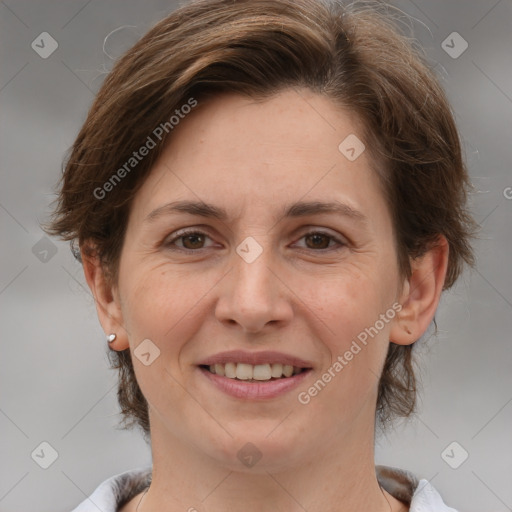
<point x="106" y="297"/>
<point x="421" y="294"/>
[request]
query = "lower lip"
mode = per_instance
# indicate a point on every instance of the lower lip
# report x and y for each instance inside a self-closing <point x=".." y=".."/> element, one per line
<point x="255" y="390"/>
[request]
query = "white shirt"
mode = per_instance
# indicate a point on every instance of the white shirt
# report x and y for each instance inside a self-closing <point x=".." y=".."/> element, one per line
<point x="113" y="493"/>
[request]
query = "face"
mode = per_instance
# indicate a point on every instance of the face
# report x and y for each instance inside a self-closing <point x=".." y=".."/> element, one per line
<point x="263" y="276"/>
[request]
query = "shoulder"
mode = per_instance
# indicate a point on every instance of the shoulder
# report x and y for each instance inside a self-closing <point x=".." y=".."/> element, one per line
<point x="420" y="495"/>
<point x="114" y="492"/>
<point x="426" y="499"/>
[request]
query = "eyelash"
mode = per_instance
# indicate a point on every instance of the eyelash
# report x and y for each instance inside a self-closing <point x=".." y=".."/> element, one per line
<point x="185" y="233"/>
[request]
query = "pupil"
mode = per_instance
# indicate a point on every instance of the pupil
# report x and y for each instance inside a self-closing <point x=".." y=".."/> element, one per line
<point x="318" y="236"/>
<point x="315" y="238"/>
<point x="197" y="237"/>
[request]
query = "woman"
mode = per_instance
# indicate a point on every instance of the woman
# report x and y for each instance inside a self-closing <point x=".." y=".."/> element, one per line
<point x="268" y="199"/>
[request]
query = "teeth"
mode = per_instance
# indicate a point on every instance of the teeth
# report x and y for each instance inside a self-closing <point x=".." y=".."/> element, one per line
<point x="230" y="370"/>
<point x="277" y="370"/>
<point x="287" y="370"/>
<point x="262" y="372"/>
<point x="244" y="371"/>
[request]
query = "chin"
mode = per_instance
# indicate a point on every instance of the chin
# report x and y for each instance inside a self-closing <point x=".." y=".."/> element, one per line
<point x="257" y="450"/>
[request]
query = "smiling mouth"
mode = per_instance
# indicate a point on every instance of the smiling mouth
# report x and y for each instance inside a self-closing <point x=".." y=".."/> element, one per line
<point x="254" y="373"/>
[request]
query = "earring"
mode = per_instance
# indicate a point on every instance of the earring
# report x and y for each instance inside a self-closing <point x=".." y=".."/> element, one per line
<point x="111" y="337"/>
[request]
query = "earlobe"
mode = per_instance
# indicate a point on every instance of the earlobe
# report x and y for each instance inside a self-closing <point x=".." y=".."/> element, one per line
<point x="107" y="302"/>
<point x="421" y="294"/>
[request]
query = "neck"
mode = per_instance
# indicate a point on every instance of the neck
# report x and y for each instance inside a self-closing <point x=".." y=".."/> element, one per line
<point x="343" y="475"/>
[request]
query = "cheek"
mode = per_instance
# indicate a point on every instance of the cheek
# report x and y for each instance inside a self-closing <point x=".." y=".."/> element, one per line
<point x="347" y="300"/>
<point x="159" y="301"/>
<point x="348" y="314"/>
<point x="354" y="314"/>
<point x="161" y="306"/>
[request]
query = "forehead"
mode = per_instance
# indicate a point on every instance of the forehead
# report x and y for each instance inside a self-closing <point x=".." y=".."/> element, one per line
<point x="240" y="151"/>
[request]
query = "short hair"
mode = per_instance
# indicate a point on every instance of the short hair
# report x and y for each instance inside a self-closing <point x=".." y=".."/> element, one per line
<point x="354" y="55"/>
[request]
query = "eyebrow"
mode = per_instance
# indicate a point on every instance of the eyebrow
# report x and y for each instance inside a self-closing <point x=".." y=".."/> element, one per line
<point x="299" y="209"/>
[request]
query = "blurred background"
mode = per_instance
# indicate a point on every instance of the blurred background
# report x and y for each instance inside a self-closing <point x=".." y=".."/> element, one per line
<point x="57" y="394"/>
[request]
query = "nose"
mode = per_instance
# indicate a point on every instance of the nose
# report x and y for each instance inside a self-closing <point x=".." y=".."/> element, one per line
<point x="253" y="295"/>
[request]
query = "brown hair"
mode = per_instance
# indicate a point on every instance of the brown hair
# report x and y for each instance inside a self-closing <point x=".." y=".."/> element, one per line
<point x="354" y="55"/>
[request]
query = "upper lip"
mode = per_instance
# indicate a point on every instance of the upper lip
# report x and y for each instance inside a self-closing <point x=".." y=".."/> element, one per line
<point x="264" y="357"/>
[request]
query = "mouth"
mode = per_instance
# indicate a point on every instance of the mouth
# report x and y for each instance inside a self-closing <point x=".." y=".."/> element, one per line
<point x="254" y="376"/>
<point x="254" y="373"/>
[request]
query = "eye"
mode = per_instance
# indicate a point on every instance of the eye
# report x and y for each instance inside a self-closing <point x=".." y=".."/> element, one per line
<point x="194" y="240"/>
<point x="191" y="240"/>
<point x="319" y="241"/>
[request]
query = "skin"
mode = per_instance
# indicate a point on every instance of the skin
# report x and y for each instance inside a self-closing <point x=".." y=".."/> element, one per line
<point x="304" y="296"/>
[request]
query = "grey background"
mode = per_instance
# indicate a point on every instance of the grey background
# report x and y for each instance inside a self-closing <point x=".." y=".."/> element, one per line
<point x="54" y="378"/>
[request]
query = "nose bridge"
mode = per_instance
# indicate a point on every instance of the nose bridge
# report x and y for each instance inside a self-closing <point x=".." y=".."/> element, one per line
<point x="252" y="275"/>
<point x="254" y="296"/>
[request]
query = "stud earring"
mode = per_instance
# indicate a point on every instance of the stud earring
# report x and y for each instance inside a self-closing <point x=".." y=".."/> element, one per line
<point x="111" y="337"/>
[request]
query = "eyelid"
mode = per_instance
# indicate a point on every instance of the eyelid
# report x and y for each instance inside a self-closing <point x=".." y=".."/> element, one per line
<point x="340" y="240"/>
<point x="169" y="240"/>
